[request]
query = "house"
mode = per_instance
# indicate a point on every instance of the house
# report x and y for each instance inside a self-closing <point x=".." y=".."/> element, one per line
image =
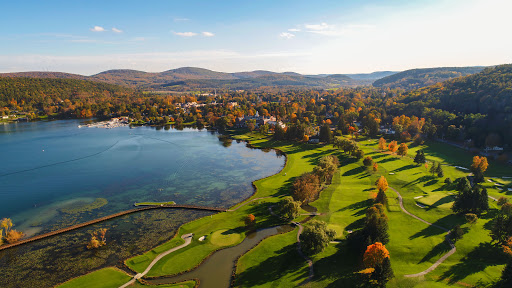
<point x="495" y="148"/>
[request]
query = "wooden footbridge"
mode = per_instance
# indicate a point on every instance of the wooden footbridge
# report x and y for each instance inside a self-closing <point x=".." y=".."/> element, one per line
<point x="109" y="217"/>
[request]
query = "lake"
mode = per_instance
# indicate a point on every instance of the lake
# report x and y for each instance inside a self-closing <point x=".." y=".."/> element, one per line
<point x="55" y="174"/>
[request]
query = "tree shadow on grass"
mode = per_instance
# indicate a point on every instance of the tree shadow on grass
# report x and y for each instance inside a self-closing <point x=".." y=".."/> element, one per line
<point x="444" y="200"/>
<point x="287" y="260"/>
<point x="421" y="179"/>
<point x="446" y="223"/>
<point x="387" y="160"/>
<point x="430" y="183"/>
<point x="355" y="171"/>
<point x="436" y="252"/>
<point x="481" y="257"/>
<point x="406" y="167"/>
<point x="428" y="232"/>
<point x="358" y="205"/>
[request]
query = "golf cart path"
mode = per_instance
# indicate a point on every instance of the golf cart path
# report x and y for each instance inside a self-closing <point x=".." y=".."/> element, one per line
<point x="445" y="256"/>
<point x="188" y="240"/>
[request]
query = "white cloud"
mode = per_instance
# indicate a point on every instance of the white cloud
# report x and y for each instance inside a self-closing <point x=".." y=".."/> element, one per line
<point x="294" y="30"/>
<point x="208" y="34"/>
<point x="181" y="19"/>
<point x="319" y="27"/>
<point x="286" y="35"/>
<point x="115" y="30"/>
<point x="97" y="29"/>
<point x="185" y="34"/>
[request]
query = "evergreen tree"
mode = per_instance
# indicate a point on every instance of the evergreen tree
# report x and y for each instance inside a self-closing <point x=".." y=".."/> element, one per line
<point x="433" y="169"/>
<point x="439" y="170"/>
<point x="381" y="197"/>
<point x="506" y="276"/>
<point x="420" y="157"/>
<point x="325" y="134"/>
<point x="383" y="273"/>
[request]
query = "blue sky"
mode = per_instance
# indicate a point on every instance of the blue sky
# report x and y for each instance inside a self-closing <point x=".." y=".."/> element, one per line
<point x="310" y="37"/>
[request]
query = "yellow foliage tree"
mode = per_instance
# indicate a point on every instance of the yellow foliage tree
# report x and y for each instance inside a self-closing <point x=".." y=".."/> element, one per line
<point x="305" y="138"/>
<point x="375" y="254"/>
<point x="382" y="184"/>
<point x="375" y="167"/>
<point x="13" y="236"/>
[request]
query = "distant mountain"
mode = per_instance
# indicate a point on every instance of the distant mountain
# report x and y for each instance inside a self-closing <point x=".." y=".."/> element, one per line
<point x="373" y="75"/>
<point x="187" y="78"/>
<point x="417" y="78"/>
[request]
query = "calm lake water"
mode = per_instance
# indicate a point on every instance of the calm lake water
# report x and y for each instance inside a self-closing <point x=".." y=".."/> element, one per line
<point x="51" y="166"/>
<point x="55" y="174"/>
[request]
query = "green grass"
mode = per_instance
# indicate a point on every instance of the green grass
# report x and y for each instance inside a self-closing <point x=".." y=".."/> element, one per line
<point x="277" y="259"/>
<point x="224" y="237"/>
<point x="103" y="278"/>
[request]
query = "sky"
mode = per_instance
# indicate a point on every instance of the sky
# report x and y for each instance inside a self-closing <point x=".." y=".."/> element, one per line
<point x="308" y="37"/>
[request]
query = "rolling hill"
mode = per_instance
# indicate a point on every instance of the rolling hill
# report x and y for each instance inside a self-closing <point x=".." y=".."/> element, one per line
<point x="417" y="78"/>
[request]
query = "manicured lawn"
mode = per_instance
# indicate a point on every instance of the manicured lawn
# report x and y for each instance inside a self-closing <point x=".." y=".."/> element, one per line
<point x="186" y="284"/>
<point x="277" y="259"/>
<point x="103" y="278"/>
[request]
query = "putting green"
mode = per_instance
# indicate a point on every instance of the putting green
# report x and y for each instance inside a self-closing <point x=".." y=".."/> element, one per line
<point x="224" y="238"/>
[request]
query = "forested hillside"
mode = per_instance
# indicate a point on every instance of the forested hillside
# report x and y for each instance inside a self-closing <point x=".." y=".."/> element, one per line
<point x="482" y="101"/>
<point x="418" y="78"/>
<point x="77" y="98"/>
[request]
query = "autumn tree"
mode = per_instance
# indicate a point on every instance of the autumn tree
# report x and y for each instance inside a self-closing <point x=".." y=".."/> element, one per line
<point x="375" y="167"/>
<point x="249" y="220"/>
<point x="382" y="144"/>
<point x="393" y="146"/>
<point x="97" y="239"/>
<point x="402" y="149"/>
<point x="382" y="183"/>
<point x="479" y="167"/>
<point x="305" y="188"/>
<point x="374" y="255"/>
<point x="13" y="236"/>
<point x="326" y="167"/>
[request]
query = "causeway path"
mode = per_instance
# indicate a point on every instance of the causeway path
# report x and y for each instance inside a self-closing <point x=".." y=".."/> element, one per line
<point x="188" y="240"/>
<point x="98" y="220"/>
<point x="445" y="256"/>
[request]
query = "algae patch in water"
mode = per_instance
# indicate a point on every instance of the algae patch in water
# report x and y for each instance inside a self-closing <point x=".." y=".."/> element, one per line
<point x="80" y="207"/>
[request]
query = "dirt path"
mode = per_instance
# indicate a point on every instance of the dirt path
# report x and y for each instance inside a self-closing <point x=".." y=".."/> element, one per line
<point x="188" y="240"/>
<point x="448" y="254"/>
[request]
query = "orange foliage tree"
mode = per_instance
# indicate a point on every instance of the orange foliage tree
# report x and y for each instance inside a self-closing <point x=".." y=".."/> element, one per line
<point x="375" y="254"/>
<point x="375" y="167"/>
<point x="382" y="144"/>
<point x="249" y="220"/>
<point x="479" y="167"/>
<point x="393" y="146"/>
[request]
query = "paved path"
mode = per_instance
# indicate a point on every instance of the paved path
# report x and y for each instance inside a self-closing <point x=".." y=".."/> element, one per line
<point x="453" y="250"/>
<point x="188" y="240"/>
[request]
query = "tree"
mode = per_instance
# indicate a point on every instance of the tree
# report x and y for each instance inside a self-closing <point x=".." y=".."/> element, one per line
<point x="382" y="144"/>
<point x="456" y="233"/>
<point x="501" y="228"/>
<point x="506" y="209"/>
<point x="471" y="218"/>
<point x="6" y="224"/>
<point x="433" y="169"/>
<point x="358" y="154"/>
<point x="402" y="149"/>
<point x="382" y="183"/>
<point x="439" y="170"/>
<point x="376" y="225"/>
<point x="315" y="237"/>
<point x="393" y="146"/>
<point x="502" y="200"/>
<point x="305" y="138"/>
<point x="326" y="167"/>
<point x="306" y="187"/>
<point x="470" y="199"/>
<point x="97" y="239"/>
<point x="381" y="197"/>
<point x="325" y="134"/>
<point x="420" y="157"/>
<point x="289" y="208"/>
<point x="368" y="161"/>
<point x="375" y="255"/>
<point x="249" y="220"/>
<point x="479" y="167"/>
<point x="383" y="272"/>
<point x="375" y="167"/>
<point x="13" y="236"/>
